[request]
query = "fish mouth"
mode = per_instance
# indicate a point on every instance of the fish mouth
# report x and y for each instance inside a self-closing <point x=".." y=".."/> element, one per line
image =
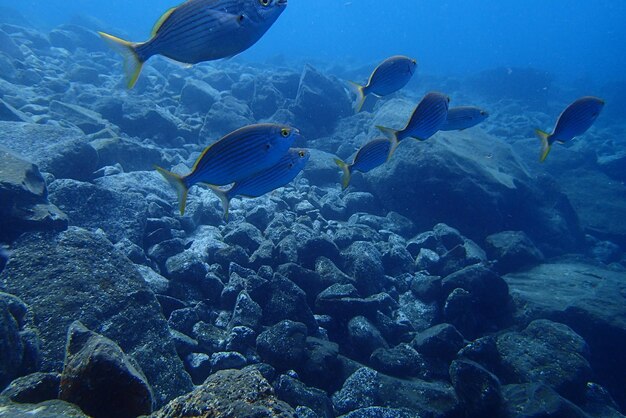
<point x="282" y="3"/>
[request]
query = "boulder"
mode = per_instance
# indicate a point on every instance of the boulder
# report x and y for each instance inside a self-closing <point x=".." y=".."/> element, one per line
<point x="590" y="300"/>
<point x="48" y="409"/>
<point x="101" y="379"/>
<point x="78" y="275"/>
<point x="119" y="214"/>
<point x="320" y="102"/>
<point x="25" y="199"/>
<point x="283" y="345"/>
<point x="367" y="388"/>
<point x="33" y="388"/>
<point x="295" y="393"/>
<point x="229" y="393"/>
<point x="530" y="400"/>
<point x="478" y="389"/>
<point x="18" y="343"/>
<point x="512" y="250"/>
<point x="546" y="352"/>
<point x="483" y="176"/>
<point x="61" y="151"/>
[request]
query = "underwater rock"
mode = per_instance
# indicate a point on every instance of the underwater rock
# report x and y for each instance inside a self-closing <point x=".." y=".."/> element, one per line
<point x="198" y="96"/>
<point x="119" y="215"/>
<point x="459" y="177"/>
<point x="399" y="361"/>
<point x="537" y="399"/>
<point x="547" y="352"/>
<point x="48" y="409"/>
<point x="246" y="313"/>
<point x="11" y="114"/>
<point x="86" y="120"/>
<point x="364" y="338"/>
<point x="12" y="344"/>
<point x="321" y="169"/>
<point x="60" y="151"/>
<point x="343" y="301"/>
<point x="598" y="200"/>
<point x="295" y="393"/>
<point x="614" y="166"/>
<point x="321" y="366"/>
<point x="587" y="298"/>
<point x="224" y="116"/>
<point x="130" y="153"/>
<point x="25" y="199"/>
<point x="285" y="300"/>
<point x="478" y="390"/>
<point x="364" y="262"/>
<point x="512" y="250"/>
<point x="33" y="388"/>
<point x="233" y="393"/>
<point x="441" y="341"/>
<point x="100" y="378"/>
<point x="487" y="296"/>
<point x="86" y="279"/>
<point x="227" y="360"/>
<point x="71" y="36"/>
<point x="320" y="102"/>
<point x="380" y="412"/>
<point x="198" y="365"/>
<point x="283" y="345"/>
<point x="367" y="388"/>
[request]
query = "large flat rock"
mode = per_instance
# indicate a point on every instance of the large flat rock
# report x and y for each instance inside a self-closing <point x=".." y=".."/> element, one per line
<point x="79" y="275"/>
<point x="589" y="299"/>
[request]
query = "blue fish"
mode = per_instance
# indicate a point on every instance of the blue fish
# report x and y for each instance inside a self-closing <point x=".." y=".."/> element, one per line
<point x="463" y="117"/>
<point x="278" y="175"/>
<point x="390" y="76"/>
<point x="200" y="30"/>
<point x="574" y="121"/>
<point x="234" y="157"/>
<point x="368" y="157"/>
<point x="427" y="118"/>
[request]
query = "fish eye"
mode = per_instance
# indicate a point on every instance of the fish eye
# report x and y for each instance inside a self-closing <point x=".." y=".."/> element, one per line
<point x="268" y="146"/>
<point x="301" y="153"/>
<point x="285" y="132"/>
<point x="265" y="3"/>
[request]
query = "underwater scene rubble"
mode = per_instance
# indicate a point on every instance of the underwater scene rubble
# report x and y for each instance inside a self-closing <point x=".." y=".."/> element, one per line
<point x="460" y="278"/>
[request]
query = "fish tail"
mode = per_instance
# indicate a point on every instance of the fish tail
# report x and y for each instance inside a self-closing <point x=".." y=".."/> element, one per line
<point x="345" y="180"/>
<point x="223" y="195"/>
<point x="359" y="90"/>
<point x="132" y="62"/>
<point x="178" y="183"/>
<point x="394" y="145"/>
<point x="390" y="133"/>
<point x="545" y="144"/>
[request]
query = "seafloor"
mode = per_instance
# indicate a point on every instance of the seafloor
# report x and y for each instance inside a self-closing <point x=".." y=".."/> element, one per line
<point x="461" y="279"/>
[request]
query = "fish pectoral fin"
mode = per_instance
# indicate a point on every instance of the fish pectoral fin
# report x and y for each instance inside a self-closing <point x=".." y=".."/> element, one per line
<point x="418" y="139"/>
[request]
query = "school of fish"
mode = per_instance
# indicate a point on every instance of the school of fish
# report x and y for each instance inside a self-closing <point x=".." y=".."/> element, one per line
<point x="257" y="159"/>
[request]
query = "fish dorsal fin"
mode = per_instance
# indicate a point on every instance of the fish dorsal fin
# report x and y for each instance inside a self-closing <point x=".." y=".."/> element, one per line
<point x="162" y="19"/>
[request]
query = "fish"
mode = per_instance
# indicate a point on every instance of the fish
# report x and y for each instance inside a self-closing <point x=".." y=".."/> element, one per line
<point x="463" y="117"/>
<point x="262" y="182"/>
<point x="390" y="76"/>
<point x="427" y="118"/>
<point x="199" y="30"/>
<point x="368" y="157"/>
<point x="573" y="121"/>
<point x="234" y="157"/>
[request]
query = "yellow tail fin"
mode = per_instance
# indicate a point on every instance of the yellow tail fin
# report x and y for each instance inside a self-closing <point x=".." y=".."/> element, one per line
<point x="545" y="144"/>
<point x="358" y="90"/>
<point x="132" y="63"/>
<point x="389" y="133"/>
<point x="178" y="184"/>
<point x="394" y="145"/>
<point x="223" y="195"/>
<point x="345" y="180"/>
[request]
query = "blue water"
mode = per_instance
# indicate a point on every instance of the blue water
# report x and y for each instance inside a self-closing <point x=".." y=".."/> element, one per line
<point x="570" y="39"/>
<point x="466" y="228"/>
